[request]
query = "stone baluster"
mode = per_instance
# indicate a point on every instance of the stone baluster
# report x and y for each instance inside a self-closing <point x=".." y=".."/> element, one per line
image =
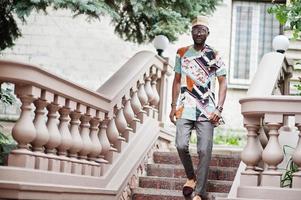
<point x="24" y="131"/>
<point x="135" y="103"/>
<point x="263" y="137"/>
<point x="142" y="94"/>
<point x="155" y="101"/>
<point x="130" y="115"/>
<point x="112" y="132"/>
<point x="66" y="138"/>
<point x="104" y="141"/>
<point x="297" y="155"/>
<point x="113" y="135"/>
<point x="251" y="154"/>
<point x="122" y="125"/>
<point x="54" y="134"/>
<point x="85" y="135"/>
<point x="128" y="111"/>
<point x="163" y="91"/>
<point x="42" y="137"/>
<point x="87" y="143"/>
<point x="77" y="143"/>
<point x="263" y="141"/>
<point x="139" y="101"/>
<point x="120" y="121"/>
<point x="272" y="154"/>
<point x="150" y="95"/>
<point x="96" y="145"/>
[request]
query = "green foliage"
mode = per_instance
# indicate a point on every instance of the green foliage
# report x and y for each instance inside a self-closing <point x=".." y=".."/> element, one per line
<point x="228" y="137"/>
<point x="290" y="14"/>
<point x="291" y="167"/>
<point x="298" y="87"/>
<point x="9" y="31"/>
<point x="6" y="96"/>
<point x="6" y="142"/>
<point x="140" y="21"/>
<point x="135" y="20"/>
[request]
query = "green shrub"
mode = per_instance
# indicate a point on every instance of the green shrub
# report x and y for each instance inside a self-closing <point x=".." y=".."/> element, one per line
<point x="298" y="86"/>
<point x="228" y="137"/>
<point x="7" y="144"/>
<point x="291" y="168"/>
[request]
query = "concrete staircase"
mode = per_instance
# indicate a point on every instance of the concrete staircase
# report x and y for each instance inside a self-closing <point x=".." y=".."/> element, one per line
<point x="166" y="176"/>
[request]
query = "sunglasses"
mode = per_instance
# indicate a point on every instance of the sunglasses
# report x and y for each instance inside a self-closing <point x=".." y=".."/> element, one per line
<point x="199" y="30"/>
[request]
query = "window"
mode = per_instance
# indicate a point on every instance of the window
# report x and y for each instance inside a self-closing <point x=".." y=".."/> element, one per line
<point x="253" y="30"/>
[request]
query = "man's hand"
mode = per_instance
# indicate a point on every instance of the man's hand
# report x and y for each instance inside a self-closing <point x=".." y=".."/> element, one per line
<point x="215" y="116"/>
<point x="176" y="85"/>
<point x="172" y="115"/>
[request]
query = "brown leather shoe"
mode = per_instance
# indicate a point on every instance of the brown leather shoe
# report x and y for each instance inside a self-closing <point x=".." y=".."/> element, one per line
<point x="188" y="187"/>
<point x="197" y="197"/>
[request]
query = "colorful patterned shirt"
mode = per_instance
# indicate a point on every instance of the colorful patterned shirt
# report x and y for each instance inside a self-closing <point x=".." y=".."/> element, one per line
<point x="198" y="71"/>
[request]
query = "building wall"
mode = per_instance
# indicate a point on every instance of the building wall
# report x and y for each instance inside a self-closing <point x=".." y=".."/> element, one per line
<point x="220" y="38"/>
<point x="88" y="53"/>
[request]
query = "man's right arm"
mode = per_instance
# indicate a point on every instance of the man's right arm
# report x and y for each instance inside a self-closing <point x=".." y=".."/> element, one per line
<point x="176" y="86"/>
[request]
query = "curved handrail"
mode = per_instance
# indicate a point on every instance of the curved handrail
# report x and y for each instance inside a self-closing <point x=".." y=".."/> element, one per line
<point x="21" y="73"/>
<point x="126" y="77"/>
<point x="270" y="64"/>
<point x="258" y="106"/>
<point x="103" y="99"/>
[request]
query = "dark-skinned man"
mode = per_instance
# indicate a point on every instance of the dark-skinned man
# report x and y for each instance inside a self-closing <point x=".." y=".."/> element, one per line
<point x="196" y="69"/>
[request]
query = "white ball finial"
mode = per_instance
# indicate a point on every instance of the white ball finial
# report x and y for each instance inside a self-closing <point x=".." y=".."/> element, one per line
<point x="280" y="43"/>
<point x="161" y="43"/>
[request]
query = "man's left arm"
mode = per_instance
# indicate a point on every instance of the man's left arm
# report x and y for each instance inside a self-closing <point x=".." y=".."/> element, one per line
<point x="222" y="91"/>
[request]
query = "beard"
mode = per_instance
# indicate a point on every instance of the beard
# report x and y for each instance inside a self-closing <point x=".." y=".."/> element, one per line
<point x="199" y="41"/>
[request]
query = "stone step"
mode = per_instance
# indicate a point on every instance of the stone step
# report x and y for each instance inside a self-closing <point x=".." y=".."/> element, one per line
<point x="293" y="54"/>
<point x="216" y="160"/>
<point x="295" y="45"/>
<point x="161" y="194"/>
<point x="177" y="184"/>
<point x="177" y="171"/>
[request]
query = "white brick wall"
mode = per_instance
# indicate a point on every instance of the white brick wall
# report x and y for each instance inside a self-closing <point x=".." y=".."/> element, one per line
<point x="87" y="53"/>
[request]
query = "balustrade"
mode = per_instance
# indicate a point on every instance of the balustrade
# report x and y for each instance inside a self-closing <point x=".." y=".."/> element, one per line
<point x="65" y="129"/>
<point x="273" y="110"/>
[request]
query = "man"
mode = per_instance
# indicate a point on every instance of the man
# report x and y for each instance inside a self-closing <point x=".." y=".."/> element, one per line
<point x="196" y="68"/>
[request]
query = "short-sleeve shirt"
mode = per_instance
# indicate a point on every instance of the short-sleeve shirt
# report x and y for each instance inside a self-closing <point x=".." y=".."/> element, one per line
<point x="198" y="70"/>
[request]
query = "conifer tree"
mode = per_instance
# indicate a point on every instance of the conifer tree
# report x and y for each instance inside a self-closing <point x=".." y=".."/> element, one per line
<point x="137" y="21"/>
